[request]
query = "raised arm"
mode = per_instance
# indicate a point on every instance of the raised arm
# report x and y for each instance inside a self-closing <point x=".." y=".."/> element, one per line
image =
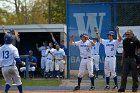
<point x="72" y="40"/>
<point x="97" y="33"/>
<point x="118" y="33"/>
<point x="17" y="36"/>
<point x="3" y="28"/>
<point x="53" y="37"/>
<point x="37" y="46"/>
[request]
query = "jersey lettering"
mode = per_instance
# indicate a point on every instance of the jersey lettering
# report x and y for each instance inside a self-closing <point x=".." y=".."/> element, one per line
<point x="5" y="54"/>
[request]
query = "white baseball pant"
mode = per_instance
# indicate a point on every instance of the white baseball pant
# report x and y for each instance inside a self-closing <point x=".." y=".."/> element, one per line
<point x="24" y="69"/>
<point x="43" y="62"/>
<point x="96" y="61"/>
<point x="86" y="64"/>
<point x="59" y="65"/>
<point x="9" y="73"/>
<point x="49" y="65"/>
<point x="110" y="66"/>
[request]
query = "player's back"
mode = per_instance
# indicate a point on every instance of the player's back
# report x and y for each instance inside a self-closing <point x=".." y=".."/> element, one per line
<point x="7" y="54"/>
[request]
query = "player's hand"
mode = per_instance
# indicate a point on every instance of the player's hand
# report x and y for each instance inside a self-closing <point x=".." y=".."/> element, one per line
<point x="117" y="29"/>
<point x="36" y="44"/>
<point x="16" y="33"/>
<point x="3" y="27"/>
<point x="51" y="33"/>
<point x="72" y="37"/>
<point x="95" y="29"/>
<point x="23" y="63"/>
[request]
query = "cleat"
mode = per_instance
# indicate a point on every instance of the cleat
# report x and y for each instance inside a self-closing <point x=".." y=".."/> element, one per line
<point x="76" y="88"/>
<point x="92" y="88"/>
<point x="121" y="90"/>
<point x="115" y="87"/>
<point x="107" y="87"/>
<point x="134" y="90"/>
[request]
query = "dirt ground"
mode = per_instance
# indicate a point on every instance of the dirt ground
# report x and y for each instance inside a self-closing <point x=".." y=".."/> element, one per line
<point x="68" y="91"/>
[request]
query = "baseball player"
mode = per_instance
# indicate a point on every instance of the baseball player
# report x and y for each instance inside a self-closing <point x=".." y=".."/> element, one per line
<point x="110" y="60"/>
<point x="60" y="59"/>
<point x="62" y="45"/>
<point x="50" y="61"/>
<point x="9" y="56"/>
<point x="43" y="51"/>
<point x="32" y="63"/>
<point x="95" y="55"/>
<point x="85" y="46"/>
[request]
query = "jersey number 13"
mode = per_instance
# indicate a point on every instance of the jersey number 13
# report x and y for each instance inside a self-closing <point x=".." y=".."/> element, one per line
<point x="5" y="54"/>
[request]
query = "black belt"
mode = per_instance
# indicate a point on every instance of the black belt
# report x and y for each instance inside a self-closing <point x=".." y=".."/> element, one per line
<point x="110" y="56"/>
<point x="43" y="56"/>
<point x="86" y="57"/>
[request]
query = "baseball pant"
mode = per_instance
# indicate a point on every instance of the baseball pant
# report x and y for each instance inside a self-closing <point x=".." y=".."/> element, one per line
<point x="86" y="64"/>
<point x="110" y="66"/>
<point x="43" y="62"/>
<point x="59" y="65"/>
<point x="9" y="73"/>
<point x="96" y="62"/>
<point x="129" y="64"/>
<point x="49" y="65"/>
<point x="24" y="69"/>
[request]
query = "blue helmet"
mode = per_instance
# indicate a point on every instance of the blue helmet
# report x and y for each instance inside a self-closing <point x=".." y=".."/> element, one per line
<point x="8" y="38"/>
<point x="11" y="30"/>
<point x="83" y="34"/>
<point x="111" y="33"/>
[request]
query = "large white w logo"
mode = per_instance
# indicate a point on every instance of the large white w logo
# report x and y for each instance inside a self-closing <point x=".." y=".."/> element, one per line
<point x="91" y="22"/>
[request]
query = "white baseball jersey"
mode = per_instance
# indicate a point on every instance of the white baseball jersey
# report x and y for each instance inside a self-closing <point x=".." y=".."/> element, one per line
<point x="95" y="49"/>
<point x="43" y="50"/>
<point x="85" y="48"/>
<point x="49" y="55"/>
<point x="59" y="54"/>
<point x="110" y="46"/>
<point x="8" y="53"/>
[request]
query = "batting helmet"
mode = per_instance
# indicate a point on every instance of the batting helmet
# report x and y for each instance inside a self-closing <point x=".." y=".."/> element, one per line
<point x="11" y="30"/>
<point x="8" y="38"/>
<point x="111" y="33"/>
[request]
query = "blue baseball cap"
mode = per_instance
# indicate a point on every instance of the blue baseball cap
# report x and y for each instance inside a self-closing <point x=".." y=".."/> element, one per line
<point x="111" y="33"/>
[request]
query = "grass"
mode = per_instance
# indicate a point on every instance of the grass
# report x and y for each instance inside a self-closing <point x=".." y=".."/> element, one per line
<point x="46" y="82"/>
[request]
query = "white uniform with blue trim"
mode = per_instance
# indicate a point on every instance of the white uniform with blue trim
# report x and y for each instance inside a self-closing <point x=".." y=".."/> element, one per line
<point x="95" y="55"/>
<point x="50" y="60"/>
<point x="110" y="59"/>
<point x="43" y="58"/>
<point x="59" y="59"/>
<point x="8" y="53"/>
<point x="86" y="58"/>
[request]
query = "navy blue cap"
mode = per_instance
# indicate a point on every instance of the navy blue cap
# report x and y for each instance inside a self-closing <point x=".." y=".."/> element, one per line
<point x="111" y="33"/>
